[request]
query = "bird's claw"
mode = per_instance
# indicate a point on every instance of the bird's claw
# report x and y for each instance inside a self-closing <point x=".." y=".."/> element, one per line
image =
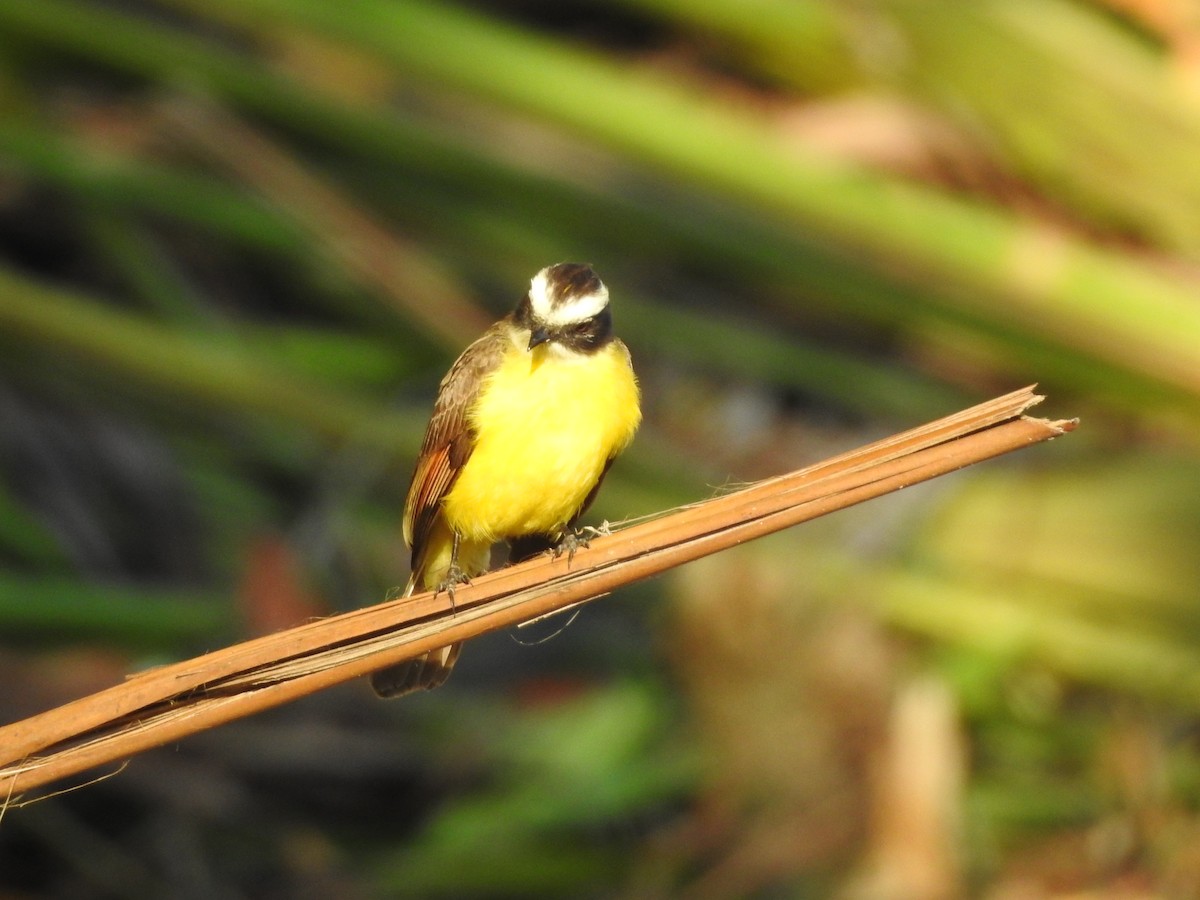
<point x="454" y="577"/>
<point x="576" y="537"/>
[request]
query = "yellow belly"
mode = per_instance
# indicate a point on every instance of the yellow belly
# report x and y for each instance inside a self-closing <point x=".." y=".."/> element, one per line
<point x="546" y="425"/>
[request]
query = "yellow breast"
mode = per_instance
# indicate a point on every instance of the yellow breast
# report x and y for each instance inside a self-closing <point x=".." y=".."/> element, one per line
<point x="546" y="423"/>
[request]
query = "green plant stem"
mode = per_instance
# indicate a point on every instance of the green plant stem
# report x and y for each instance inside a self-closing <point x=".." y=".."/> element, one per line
<point x="987" y="621"/>
<point x="137" y="616"/>
<point x="472" y="223"/>
<point x="1109" y="321"/>
<point x="1111" y="133"/>
<point x="997" y="271"/>
<point x="1003" y="276"/>
<point x="180" y="367"/>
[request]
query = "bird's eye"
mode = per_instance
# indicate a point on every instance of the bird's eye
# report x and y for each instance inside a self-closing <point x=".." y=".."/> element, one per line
<point x="584" y="326"/>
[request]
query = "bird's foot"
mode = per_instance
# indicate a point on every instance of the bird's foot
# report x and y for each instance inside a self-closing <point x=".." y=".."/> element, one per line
<point x="576" y="537"/>
<point x="455" y="576"/>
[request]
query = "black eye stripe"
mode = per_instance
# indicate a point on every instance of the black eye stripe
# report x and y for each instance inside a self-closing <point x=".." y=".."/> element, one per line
<point x="593" y="332"/>
<point x="584" y="335"/>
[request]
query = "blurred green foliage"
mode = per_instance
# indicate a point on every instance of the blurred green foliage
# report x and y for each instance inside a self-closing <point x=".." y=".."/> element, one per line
<point x="240" y="241"/>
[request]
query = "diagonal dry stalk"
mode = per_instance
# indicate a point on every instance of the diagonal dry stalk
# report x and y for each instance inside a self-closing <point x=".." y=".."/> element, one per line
<point x="170" y="702"/>
<point x="377" y="257"/>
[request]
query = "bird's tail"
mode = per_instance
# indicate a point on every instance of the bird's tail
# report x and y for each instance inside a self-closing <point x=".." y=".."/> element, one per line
<point x="422" y="673"/>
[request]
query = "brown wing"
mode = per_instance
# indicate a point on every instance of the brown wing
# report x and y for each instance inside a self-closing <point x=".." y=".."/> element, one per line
<point x="448" y="438"/>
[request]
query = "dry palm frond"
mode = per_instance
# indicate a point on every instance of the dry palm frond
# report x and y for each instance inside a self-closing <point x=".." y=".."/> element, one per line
<point x="168" y="703"/>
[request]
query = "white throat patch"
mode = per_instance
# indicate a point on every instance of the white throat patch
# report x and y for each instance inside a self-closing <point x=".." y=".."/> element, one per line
<point x="568" y="311"/>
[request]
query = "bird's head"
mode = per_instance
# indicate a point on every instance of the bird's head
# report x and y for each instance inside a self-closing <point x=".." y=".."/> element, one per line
<point x="567" y="307"/>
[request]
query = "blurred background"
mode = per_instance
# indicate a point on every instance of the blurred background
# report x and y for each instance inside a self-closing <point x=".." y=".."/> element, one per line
<point x="241" y="241"/>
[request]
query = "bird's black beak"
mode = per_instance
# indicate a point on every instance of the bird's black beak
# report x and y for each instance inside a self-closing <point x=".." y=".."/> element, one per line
<point x="537" y="336"/>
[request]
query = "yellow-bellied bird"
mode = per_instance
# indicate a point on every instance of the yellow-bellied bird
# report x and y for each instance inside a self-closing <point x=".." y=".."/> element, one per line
<point x="525" y="426"/>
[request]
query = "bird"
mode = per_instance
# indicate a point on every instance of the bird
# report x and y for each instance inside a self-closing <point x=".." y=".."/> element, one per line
<point x="525" y="426"/>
